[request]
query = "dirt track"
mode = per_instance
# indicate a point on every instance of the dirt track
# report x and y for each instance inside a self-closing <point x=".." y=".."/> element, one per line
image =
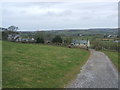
<point x="98" y="72"/>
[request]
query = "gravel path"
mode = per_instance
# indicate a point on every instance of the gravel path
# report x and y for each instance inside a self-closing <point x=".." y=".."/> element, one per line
<point x="98" y="72"/>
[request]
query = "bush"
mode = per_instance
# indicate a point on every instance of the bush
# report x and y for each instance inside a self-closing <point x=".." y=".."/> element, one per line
<point x="57" y="39"/>
<point x="40" y="40"/>
<point x="102" y="45"/>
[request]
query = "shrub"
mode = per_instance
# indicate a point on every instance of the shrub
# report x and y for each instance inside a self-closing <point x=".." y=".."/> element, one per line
<point x="57" y="39"/>
<point x="40" y="40"/>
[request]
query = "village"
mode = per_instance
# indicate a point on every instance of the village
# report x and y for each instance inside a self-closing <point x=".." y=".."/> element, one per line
<point x="78" y="40"/>
<point x="14" y="36"/>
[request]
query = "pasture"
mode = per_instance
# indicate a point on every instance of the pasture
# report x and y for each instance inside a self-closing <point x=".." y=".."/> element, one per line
<point x="40" y="66"/>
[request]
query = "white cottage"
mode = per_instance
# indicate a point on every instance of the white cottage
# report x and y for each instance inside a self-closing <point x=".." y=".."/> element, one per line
<point x="81" y="43"/>
<point x="14" y="37"/>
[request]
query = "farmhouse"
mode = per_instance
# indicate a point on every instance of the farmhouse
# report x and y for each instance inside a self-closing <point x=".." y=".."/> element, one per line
<point x="18" y="38"/>
<point x="14" y="37"/>
<point x="81" y="43"/>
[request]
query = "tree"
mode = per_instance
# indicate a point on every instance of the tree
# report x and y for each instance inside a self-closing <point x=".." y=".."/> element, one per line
<point x="68" y="40"/>
<point x="13" y="28"/>
<point x="5" y="35"/>
<point x="57" y="39"/>
<point x="10" y="30"/>
<point x="40" y="40"/>
<point x="40" y="34"/>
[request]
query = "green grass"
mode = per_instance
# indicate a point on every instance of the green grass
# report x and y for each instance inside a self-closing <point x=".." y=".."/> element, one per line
<point x="0" y="64"/>
<point x="40" y="66"/>
<point x="113" y="55"/>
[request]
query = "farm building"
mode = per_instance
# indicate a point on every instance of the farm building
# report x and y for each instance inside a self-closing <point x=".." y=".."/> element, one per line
<point x="18" y="38"/>
<point x="14" y="37"/>
<point x="81" y="43"/>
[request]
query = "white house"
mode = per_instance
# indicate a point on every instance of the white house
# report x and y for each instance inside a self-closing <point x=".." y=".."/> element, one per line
<point x="14" y="37"/>
<point x="18" y="38"/>
<point x="81" y="43"/>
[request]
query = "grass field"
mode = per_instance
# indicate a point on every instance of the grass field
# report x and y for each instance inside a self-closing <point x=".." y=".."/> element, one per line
<point x="40" y="66"/>
<point x="0" y="64"/>
<point x="113" y="55"/>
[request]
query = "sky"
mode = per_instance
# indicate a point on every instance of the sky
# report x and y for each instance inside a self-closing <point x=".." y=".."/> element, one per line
<point x="59" y="15"/>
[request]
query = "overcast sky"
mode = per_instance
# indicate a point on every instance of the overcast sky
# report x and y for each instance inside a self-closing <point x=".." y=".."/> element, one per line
<point x="59" y="15"/>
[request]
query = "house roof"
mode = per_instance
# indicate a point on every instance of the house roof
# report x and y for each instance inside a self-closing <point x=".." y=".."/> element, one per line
<point x="79" y="41"/>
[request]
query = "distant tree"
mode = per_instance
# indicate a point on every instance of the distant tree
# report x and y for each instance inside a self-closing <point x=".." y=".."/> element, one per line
<point x="4" y="35"/>
<point x="57" y="39"/>
<point x="10" y="30"/>
<point x="13" y="28"/>
<point x="40" y="40"/>
<point x="68" y="40"/>
<point x="40" y="34"/>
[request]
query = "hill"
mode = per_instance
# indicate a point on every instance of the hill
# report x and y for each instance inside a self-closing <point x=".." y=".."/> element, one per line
<point x="40" y="66"/>
<point x="75" y="32"/>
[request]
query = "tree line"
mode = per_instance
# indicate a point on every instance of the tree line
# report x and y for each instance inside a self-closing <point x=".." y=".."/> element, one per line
<point x="56" y="39"/>
<point x="105" y="45"/>
<point x="39" y="36"/>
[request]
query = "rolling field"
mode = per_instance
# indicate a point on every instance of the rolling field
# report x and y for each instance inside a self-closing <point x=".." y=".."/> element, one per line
<point x="40" y="66"/>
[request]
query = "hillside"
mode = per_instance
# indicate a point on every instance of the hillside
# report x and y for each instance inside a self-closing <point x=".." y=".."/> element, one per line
<point x="75" y="32"/>
<point x="40" y="66"/>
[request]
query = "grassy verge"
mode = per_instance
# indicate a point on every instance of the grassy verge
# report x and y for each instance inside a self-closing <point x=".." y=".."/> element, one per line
<point x="0" y="64"/>
<point x="40" y="66"/>
<point x="113" y="55"/>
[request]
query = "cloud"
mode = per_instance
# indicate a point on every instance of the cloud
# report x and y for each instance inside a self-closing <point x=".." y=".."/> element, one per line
<point x="60" y="0"/>
<point x="59" y="15"/>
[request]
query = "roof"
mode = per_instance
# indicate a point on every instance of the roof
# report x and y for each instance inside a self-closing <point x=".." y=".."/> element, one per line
<point x="79" y="41"/>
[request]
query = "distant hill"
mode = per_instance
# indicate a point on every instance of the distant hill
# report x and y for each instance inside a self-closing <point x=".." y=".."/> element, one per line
<point x="69" y="32"/>
<point x="102" y="29"/>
